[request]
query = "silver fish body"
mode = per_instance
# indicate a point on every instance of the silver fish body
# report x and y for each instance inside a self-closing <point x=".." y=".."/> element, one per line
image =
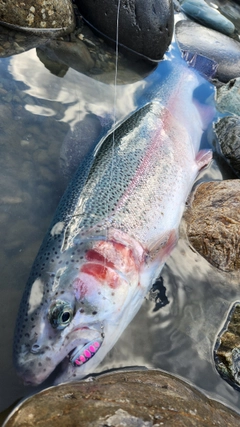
<point x="114" y="228"/>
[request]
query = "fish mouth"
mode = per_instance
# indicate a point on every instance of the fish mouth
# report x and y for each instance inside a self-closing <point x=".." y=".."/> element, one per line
<point x="82" y="345"/>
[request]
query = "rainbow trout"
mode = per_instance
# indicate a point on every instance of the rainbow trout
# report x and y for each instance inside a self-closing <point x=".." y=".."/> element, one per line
<point x="114" y="228"/>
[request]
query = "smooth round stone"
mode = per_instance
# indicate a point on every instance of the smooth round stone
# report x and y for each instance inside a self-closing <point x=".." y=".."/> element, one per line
<point x="75" y="55"/>
<point x="230" y="9"/>
<point x="207" y="15"/>
<point x="228" y="133"/>
<point x="146" y="27"/>
<point x="228" y="97"/>
<point x="198" y="40"/>
<point x="39" y="15"/>
<point x="130" y="399"/>
<point x="213" y="223"/>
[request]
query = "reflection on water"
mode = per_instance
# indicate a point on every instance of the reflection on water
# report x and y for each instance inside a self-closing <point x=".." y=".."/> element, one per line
<point x="179" y="338"/>
<point x="37" y="109"/>
<point x="74" y="95"/>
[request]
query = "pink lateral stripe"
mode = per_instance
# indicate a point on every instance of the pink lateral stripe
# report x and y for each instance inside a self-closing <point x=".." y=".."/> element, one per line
<point x="150" y="152"/>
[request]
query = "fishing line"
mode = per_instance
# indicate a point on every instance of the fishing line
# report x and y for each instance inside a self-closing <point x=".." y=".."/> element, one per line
<point x="113" y="133"/>
<point x="114" y="102"/>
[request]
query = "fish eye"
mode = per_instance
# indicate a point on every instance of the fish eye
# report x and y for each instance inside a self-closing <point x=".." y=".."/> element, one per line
<point x="60" y="314"/>
<point x="65" y="316"/>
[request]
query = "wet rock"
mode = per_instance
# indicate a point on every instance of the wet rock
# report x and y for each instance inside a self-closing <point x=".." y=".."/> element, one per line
<point x="230" y="9"/>
<point x="88" y="54"/>
<point x="195" y="39"/>
<point x="82" y="50"/>
<point x="39" y="15"/>
<point x="133" y="398"/>
<point x="228" y="97"/>
<point x="207" y="15"/>
<point x="146" y="27"/>
<point x="54" y="66"/>
<point x="74" y="55"/>
<point x="227" y="348"/>
<point x="213" y="223"/>
<point x="13" y="42"/>
<point x="227" y="130"/>
<point x="41" y="157"/>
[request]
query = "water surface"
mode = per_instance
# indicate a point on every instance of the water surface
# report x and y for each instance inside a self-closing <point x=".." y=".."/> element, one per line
<point x="37" y="110"/>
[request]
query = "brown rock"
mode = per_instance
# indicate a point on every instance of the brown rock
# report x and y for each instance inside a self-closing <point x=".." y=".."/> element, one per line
<point x="227" y="348"/>
<point x="213" y="223"/>
<point x="38" y="15"/>
<point x="133" y="398"/>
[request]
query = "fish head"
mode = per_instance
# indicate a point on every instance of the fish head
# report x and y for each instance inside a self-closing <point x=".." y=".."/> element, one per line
<point x="73" y="308"/>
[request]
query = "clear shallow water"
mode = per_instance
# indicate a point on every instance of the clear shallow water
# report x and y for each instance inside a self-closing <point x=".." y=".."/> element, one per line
<point x="37" y="109"/>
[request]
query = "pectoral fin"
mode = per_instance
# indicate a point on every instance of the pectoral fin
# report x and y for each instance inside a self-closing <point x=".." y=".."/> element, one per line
<point x="203" y="158"/>
<point x="161" y="249"/>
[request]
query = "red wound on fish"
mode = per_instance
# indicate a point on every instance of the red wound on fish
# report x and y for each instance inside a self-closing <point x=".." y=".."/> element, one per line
<point x="93" y="255"/>
<point x="114" y="255"/>
<point x="102" y="274"/>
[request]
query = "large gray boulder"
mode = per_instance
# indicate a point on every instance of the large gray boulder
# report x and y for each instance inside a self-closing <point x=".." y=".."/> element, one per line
<point x="145" y="27"/>
<point x="227" y="130"/>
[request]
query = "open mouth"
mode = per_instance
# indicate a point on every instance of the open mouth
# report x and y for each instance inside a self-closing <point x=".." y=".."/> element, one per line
<point x="81" y="355"/>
